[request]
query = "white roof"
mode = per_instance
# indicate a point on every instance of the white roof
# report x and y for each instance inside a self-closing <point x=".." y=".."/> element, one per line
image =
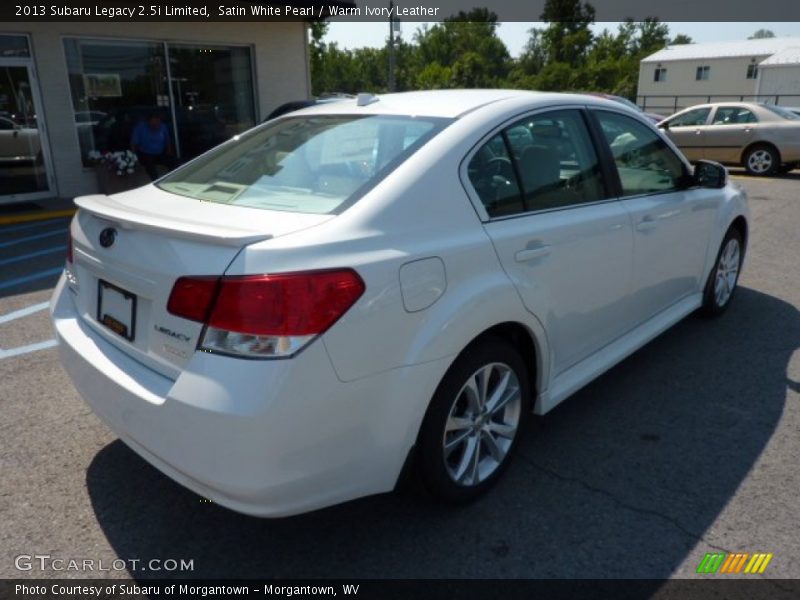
<point x="762" y="47"/>
<point x="789" y="56"/>
<point x="440" y="103"/>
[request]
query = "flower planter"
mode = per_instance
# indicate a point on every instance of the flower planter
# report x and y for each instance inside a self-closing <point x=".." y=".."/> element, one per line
<point x="118" y="171"/>
<point x="108" y="182"/>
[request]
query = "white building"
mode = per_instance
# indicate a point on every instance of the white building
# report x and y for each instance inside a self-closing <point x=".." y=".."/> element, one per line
<point x="67" y="88"/>
<point x="679" y="76"/>
<point x="779" y="77"/>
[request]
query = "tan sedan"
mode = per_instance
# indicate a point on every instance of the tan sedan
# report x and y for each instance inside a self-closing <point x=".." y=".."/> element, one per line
<point x="763" y="138"/>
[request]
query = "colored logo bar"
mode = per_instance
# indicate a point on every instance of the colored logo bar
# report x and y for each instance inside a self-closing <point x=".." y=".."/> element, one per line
<point x="737" y="562"/>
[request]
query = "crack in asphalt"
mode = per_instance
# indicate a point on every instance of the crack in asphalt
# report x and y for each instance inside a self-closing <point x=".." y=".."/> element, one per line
<point x="644" y="511"/>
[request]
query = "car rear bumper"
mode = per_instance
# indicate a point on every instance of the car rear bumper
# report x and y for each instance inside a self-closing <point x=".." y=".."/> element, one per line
<point x="267" y="438"/>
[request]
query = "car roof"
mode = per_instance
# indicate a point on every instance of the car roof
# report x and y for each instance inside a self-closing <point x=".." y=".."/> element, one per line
<point x="444" y="103"/>
<point x="745" y="104"/>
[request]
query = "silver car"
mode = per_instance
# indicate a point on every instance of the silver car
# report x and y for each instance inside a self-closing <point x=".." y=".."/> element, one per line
<point x="763" y="138"/>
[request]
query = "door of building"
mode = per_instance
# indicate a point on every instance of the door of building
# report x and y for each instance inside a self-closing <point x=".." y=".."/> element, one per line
<point x="25" y="168"/>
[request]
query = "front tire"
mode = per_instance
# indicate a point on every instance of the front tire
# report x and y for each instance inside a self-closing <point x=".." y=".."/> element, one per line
<point x="762" y="160"/>
<point x="724" y="276"/>
<point x="473" y="423"/>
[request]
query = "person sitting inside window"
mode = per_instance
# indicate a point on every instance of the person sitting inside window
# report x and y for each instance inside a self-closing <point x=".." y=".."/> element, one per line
<point x="150" y="141"/>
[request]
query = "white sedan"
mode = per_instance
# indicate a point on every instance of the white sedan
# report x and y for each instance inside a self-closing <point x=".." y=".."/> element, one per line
<point x="289" y="320"/>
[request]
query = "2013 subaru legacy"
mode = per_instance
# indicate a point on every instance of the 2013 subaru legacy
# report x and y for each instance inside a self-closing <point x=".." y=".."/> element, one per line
<point x="385" y="284"/>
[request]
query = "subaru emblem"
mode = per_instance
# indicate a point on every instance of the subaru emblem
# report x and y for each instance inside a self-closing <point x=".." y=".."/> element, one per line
<point x="107" y="237"/>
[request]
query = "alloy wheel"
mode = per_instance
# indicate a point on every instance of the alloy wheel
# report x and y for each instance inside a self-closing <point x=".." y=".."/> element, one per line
<point x="482" y="424"/>
<point x="727" y="272"/>
<point x="760" y="161"/>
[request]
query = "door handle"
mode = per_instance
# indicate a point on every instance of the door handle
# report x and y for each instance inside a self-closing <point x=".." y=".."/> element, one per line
<point x="646" y="224"/>
<point x="697" y="132"/>
<point x="531" y="253"/>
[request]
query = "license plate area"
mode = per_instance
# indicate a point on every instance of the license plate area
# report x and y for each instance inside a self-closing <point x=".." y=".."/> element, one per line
<point x="116" y="309"/>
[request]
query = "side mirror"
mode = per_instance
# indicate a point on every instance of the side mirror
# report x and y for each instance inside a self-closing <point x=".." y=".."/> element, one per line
<point x="663" y="125"/>
<point x="710" y="174"/>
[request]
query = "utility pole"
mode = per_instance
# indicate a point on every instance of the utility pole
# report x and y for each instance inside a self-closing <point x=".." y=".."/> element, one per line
<point x="391" y="46"/>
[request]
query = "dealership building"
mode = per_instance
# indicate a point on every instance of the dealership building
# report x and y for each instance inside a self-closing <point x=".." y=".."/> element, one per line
<point x="69" y="91"/>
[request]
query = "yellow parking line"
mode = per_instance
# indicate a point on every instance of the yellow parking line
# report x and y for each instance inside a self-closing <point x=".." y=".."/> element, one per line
<point x="37" y="216"/>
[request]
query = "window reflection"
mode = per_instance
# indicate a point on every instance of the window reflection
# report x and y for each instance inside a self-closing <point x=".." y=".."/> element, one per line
<point x="22" y="168"/>
<point x="213" y="91"/>
<point x="14" y="46"/>
<point x="204" y="97"/>
<point x="114" y="85"/>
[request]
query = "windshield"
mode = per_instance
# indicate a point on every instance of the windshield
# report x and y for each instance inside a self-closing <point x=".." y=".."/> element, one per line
<point x="782" y="112"/>
<point x="310" y="164"/>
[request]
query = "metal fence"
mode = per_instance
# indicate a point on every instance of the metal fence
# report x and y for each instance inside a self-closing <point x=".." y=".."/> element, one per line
<point x="666" y="104"/>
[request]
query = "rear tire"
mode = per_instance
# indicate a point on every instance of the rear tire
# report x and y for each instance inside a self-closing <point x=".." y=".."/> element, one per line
<point x="474" y="422"/>
<point x="724" y="276"/>
<point x="761" y="160"/>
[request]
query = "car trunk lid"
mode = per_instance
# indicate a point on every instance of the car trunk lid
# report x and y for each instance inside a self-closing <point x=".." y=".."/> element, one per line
<point x="129" y="249"/>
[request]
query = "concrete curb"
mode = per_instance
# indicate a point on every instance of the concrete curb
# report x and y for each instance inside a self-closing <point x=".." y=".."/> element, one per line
<point x="36" y="216"/>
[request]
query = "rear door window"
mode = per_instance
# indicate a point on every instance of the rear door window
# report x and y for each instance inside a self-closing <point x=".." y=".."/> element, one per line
<point x="557" y="163"/>
<point x="492" y="175"/>
<point x="541" y="162"/>
<point x="733" y="115"/>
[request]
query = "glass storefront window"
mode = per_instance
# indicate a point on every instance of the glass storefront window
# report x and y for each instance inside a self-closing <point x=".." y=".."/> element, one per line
<point x="14" y="46"/>
<point x="22" y="166"/>
<point x="116" y="84"/>
<point x="212" y="87"/>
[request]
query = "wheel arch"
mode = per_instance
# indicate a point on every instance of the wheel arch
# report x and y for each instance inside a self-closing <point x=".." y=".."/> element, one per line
<point x="740" y="224"/>
<point x="522" y="339"/>
<point x="532" y="349"/>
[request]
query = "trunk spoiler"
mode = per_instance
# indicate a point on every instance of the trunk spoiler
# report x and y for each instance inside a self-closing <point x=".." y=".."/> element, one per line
<point x="200" y="220"/>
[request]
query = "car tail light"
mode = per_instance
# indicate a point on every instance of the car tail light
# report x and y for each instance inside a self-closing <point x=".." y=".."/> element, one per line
<point x="69" y="267"/>
<point x="266" y="316"/>
<point x="191" y="297"/>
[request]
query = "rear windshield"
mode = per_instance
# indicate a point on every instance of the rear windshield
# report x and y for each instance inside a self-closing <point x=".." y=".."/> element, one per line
<point x="783" y="112"/>
<point x="309" y="164"/>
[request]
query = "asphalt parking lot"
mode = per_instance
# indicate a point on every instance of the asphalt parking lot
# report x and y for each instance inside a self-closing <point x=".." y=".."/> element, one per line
<point x="690" y="446"/>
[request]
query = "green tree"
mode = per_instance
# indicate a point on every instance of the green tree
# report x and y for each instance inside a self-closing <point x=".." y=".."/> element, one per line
<point x="568" y="36"/>
<point x="681" y="39"/>
<point x="465" y="51"/>
<point x="762" y="34"/>
<point x="467" y="47"/>
<point x="317" y="31"/>
<point x="434" y="77"/>
<point x="652" y="36"/>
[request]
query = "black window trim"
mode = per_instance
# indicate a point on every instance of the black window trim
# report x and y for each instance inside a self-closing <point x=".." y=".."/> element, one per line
<point x="608" y="155"/>
<point x="523" y="196"/>
<point x="474" y="197"/>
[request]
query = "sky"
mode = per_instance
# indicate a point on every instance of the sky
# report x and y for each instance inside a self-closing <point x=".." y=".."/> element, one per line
<point x="355" y="35"/>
